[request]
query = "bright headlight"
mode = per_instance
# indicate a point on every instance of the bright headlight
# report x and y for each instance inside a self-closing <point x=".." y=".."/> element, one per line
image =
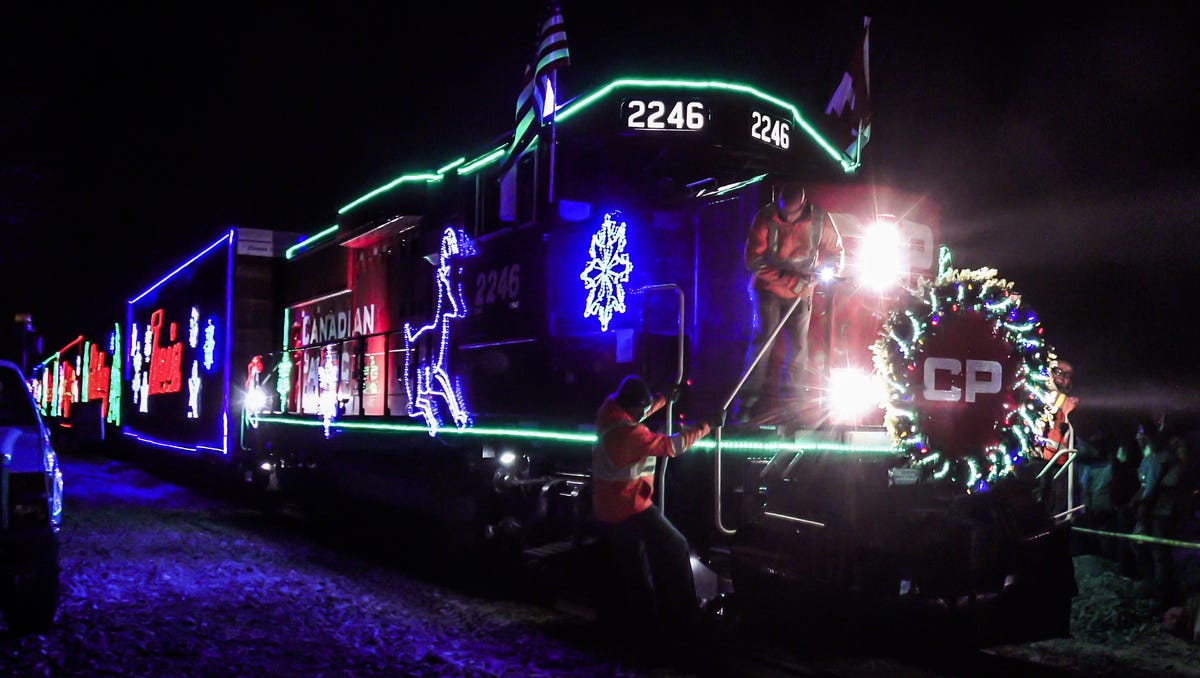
<point x="852" y="394"/>
<point x="880" y="258"/>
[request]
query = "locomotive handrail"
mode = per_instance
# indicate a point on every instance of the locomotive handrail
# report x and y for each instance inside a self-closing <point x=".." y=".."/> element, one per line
<point x="720" y="525"/>
<point x="1071" y="454"/>
<point x="763" y="351"/>
<point x="661" y="468"/>
<point x="1068" y="467"/>
<point x="793" y="519"/>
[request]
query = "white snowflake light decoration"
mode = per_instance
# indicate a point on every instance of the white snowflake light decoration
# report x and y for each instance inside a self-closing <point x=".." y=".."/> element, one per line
<point x="607" y="271"/>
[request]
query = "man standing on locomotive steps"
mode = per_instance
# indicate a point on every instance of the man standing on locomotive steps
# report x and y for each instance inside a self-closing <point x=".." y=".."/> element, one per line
<point x="1059" y="436"/>
<point x="652" y="554"/>
<point x="790" y="240"/>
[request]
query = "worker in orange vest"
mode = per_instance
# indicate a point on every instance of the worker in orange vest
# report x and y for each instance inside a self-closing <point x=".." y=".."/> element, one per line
<point x="1059" y="432"/>
<point x="790" y="242"/>
<point x="1058" y="436"/>
<point x="652" y="554"/>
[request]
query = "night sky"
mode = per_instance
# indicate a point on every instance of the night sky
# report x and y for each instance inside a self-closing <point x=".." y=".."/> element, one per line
<point x="1058" y="142"/>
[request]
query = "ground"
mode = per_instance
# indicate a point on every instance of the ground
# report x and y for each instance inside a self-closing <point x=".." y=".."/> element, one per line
<point x="1115" y="630"/>
<point x="160" y="580"/>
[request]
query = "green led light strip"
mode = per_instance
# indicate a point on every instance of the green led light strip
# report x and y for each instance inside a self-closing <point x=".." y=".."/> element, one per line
<point x="423" y="176"/>
<point x="309" y="241"/>
<point x="577" y="105"/>
<point x="570" y="109"/>
<point x="588" y="439"/>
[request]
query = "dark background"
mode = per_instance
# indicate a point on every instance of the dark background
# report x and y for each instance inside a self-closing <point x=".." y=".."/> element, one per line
<point x="1057" y="137"/>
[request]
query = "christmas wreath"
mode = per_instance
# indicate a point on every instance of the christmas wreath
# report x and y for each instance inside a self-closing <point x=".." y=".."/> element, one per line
<point x="985" y="309"/>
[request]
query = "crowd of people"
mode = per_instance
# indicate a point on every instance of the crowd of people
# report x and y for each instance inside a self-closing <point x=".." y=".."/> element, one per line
<point x="1140" y="483"/>
<point x="1137" y="498"/>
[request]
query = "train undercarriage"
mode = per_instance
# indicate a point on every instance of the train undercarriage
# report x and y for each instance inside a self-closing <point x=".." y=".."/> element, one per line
<point x="815" y="539"/>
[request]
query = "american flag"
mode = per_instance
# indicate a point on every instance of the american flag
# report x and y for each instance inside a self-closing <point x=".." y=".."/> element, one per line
<point x="851" y="102"/>
<point x="536" y="101"/>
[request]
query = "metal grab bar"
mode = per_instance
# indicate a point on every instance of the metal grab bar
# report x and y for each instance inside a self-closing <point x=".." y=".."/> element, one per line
<point x="1068" y="467"/>
<point x="770" y="342"/>
<point x="660" y="473"/>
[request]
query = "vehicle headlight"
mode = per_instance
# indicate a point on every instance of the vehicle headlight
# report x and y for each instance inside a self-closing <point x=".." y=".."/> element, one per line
<point x="52" y="470"/>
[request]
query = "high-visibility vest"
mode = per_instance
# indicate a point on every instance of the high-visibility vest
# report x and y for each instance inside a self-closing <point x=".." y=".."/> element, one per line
<point x="1059" y="432"/>
<point x="620" y="491"/>
<point x="603" y="467"/>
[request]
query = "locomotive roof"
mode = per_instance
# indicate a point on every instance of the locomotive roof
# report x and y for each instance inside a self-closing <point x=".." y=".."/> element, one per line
<point x="584" y="113"/>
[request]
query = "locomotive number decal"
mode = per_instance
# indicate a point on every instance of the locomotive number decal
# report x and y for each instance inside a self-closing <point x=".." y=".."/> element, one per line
<point x="503" y="285"/>
<point x="770" y="130"/>
<point x="655" y="114"/>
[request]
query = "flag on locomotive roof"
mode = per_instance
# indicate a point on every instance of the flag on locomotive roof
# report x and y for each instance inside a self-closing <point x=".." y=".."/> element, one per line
<point x="536" y="101"/>
<point x="851" y="101"/>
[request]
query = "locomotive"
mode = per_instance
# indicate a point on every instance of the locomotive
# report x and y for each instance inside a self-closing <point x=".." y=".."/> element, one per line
<point x="443" y="344"/>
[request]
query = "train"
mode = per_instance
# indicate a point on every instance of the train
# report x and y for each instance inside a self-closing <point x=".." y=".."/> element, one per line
<point x="443" y="344"/>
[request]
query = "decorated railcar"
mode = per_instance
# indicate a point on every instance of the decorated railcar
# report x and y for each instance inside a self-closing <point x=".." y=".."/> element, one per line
<point x="443" y="345"/>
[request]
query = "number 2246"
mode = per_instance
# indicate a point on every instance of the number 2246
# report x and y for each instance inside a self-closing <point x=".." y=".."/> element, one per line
<point x="501" y="285"/>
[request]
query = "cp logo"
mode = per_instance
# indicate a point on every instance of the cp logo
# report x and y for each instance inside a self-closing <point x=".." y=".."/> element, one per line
<point x="982" y="377"/>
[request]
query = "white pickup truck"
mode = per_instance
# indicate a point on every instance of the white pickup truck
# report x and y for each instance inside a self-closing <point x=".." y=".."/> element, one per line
<point x="31" y="486"/>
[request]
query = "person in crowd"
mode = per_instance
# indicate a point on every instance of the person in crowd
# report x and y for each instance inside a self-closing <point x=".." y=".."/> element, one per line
<point x="1182" y="618"/>
<point x="1161" y="502"/>
<point x="653" y="556"/>
<point x="1125" y="488"/>
<point x="1148" y="470"/>
<point x="1096" y="463"/>
<point x="789" y="242"/>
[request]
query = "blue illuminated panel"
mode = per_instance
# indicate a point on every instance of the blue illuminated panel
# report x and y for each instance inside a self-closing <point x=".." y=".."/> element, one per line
<point x="177" y="358"/>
